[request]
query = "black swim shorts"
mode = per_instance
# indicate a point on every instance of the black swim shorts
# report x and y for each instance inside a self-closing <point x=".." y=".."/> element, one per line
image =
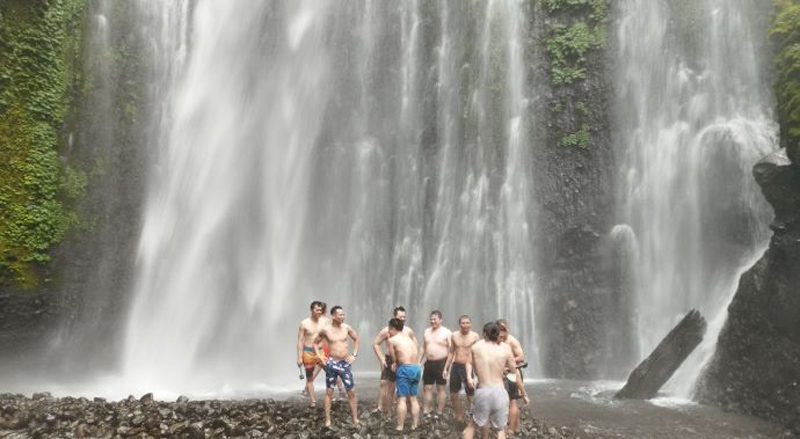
<point x="458" y="377"/>
<point x="433" y="372"/>
<point x="387" y="374"/>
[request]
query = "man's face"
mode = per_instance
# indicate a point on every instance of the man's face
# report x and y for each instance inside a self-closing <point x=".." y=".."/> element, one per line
<point x="317" y="311"/>
<point x="435" y="321"/>
<point x="503" y="332"/>
<point x="465" y="325"/>
<point x="338" y="316"/>
<point x="401" y="315"/>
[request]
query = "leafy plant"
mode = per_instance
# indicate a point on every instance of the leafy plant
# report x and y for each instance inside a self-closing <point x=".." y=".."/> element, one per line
<point x="785" y="34"/>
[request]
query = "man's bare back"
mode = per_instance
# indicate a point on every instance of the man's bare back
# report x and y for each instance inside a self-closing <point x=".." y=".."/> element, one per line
<point x="490" y="361"/>
<point x="461" y="346"/>
<point x="404" y="349"/>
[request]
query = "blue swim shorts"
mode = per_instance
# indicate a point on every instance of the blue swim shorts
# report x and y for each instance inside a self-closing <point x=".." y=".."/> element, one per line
<point x="338" y="369"/>
<point x="408" y="376"/>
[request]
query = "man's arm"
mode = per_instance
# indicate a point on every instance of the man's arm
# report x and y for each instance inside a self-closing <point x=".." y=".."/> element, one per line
<point x="516" y="349"/>
<point x="424" y="347"/>
<point x="356" y="343"/>
<point x="376" y="346"/>
<point x="468" y="366"/>
<point x="321" y="336"/>
<point x="511" y="365"/>
<point x="300" y="334"/>
<point x="450" y="355"/>
<point x="390" y="350"/>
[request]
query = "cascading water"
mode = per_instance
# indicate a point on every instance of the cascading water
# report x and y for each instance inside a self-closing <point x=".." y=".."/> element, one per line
<point x="368" y="154"/>
<point x="694" y="116"/>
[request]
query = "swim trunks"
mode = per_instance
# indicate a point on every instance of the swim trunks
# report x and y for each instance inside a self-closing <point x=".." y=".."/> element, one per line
<point x="490" y="403"/>
<point x="338" y="369"/>
<point x="310" y="361"/>
<point x="458" y="377"/>
<point x="433" y="372"/>
<point x="408" y="376"/>
<point x="511" y="386"/>
<point x="387" y="374"/>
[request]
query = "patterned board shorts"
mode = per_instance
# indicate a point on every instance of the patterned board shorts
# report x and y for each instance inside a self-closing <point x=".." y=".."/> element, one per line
<point x="338" y="369"/>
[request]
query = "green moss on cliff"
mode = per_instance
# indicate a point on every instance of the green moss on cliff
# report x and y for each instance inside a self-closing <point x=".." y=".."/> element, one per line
<point x="785" y="33"/>
<point x="576" y="29"/>
<point x="39" y="48"/>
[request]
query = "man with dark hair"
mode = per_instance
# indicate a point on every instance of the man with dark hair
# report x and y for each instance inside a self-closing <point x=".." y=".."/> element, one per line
<point x="386" y="390"/>
<point x="490" y="360"/>
<point x="405" y="351"/>
<point x="306" y="356"/>
<point x="339" y="364"/>
<point x="457" y="359"/>
<point x="515" y="393"/>
<point x="435" y="347"/>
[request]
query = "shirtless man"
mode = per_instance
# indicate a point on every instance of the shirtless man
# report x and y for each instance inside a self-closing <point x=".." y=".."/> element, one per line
<point x="306" y="356"/>
<point x="436" y="347"/>
<point x="490" y="360"/>
<point x="386" y="391"/>
<point x="457" y="359"/>
<point x="513" y="394"/>
<point x="339" y="364"/>
<point x="405" y="351"/>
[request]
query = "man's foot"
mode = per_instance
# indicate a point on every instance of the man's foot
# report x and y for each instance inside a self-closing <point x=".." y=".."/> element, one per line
<point x="398" y="429"/>
<point x="313" y="404"/>
<point x="327" y="423"/>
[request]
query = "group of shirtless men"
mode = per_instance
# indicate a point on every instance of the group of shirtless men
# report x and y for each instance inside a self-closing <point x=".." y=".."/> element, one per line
<point x="495" y="357"/>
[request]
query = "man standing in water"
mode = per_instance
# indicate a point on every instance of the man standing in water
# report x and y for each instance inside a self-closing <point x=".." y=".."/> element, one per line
<point x="515" y="393"/>
<point x="306" y="352"/>
<point x="405" y="352"/>
<point x="339" y="364"/>
<point x="457" y="359"/>
<point x="490" y="360"/>
<point x="386" y="391"/>
<point x="436" y="347"/>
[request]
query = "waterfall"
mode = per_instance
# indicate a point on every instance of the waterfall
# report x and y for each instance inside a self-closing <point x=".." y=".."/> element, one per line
<point x="694" y="115"/>
<point x="368" y="154"/>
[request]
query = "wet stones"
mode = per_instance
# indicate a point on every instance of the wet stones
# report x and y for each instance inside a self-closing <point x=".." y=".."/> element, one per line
<point x="145" y="417"/>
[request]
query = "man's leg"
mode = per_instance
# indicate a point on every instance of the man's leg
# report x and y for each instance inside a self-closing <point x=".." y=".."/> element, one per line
<point x="513" y="416"/>
<point x="351" y="396"/>
<point x="469" y="402"/>
<point x="441" y="397"/>
<point x="390" y="389"/>
<point x="427" y="390"/>
<point x="382" y="395"/>
<point x="401" y="413"/>
<point x="469" y="432"/>
<point x="327" y="405"/>
<point x="414" y="412"/>
<point x="310" y="388"/>
<point x="456" y="406"/>
<point x="501" y="434"/>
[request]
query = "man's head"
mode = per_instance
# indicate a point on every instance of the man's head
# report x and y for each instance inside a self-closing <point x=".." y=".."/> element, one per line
<point x="400" y="313"/>
<point x="436" y="319"/>
<point x="317" y="308"/>
<point x="465" y="324"/>
<point x="395" y="326"/>
<point x="491" y="331"/>
<point x="337" y="313"/>
<point x="503" y="325"/>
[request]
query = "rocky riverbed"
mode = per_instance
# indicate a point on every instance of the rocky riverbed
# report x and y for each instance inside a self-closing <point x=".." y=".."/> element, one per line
<point x="44" y="416"/>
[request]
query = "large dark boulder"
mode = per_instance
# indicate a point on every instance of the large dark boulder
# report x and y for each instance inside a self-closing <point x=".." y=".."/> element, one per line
<point x="756" y="368"/>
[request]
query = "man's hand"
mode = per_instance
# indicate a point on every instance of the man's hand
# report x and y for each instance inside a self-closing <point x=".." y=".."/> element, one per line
<point x="350" y="359"/>
<point x="470" y="383"/>
<point x="394" y="367"/>
<point x="525" y="398"/>
<point x="445" y="373"/>
<point x="299" y="361"/>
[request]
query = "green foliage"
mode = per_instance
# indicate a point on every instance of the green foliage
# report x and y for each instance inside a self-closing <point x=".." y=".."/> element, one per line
<point x="567" y="47"/>
<point x="599" y="8"/>
<point x="579" y="138"/>
<point x="39" y="42"/>
<point x="785" y="33"/>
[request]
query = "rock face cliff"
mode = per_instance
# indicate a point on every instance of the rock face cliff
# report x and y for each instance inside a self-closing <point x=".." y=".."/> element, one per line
<point x="756" y="368"/>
